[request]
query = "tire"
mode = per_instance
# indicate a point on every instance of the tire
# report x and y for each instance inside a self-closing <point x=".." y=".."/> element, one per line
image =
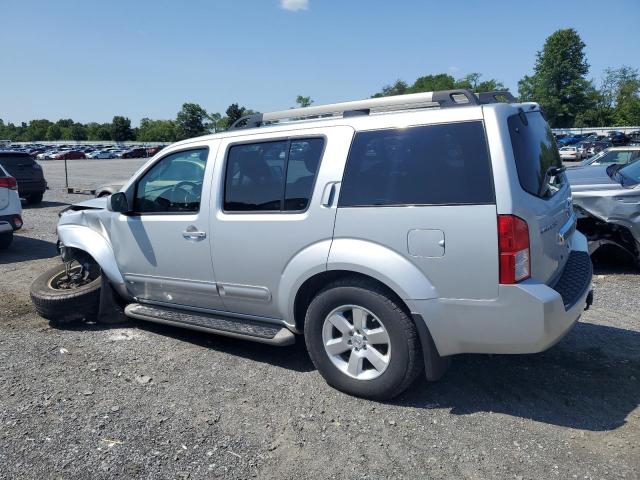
<point x="35" y="198"/>
<point x="64" y="306"/>
<point x="5" y="240"/>
<point x="403" y="355"/>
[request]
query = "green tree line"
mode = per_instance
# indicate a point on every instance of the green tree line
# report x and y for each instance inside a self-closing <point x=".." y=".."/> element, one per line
<point x="559" y="82"/>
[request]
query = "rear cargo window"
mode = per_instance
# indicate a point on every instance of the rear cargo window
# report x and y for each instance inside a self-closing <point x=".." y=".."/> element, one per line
<point x="15" y="161"/>
<point x="535" y="151"/>
<point x="428" y="165"/>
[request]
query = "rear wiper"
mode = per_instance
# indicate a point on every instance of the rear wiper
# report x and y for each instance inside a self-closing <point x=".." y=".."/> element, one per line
<point x="551" y="172"/>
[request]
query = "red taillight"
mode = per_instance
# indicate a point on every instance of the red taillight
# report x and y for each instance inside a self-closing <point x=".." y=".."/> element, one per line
<point x="8" y="182"/>
<point x="513" y="245"/>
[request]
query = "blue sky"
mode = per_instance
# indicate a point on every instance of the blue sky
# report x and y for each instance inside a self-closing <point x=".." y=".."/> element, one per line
<point x="90" y="60"/>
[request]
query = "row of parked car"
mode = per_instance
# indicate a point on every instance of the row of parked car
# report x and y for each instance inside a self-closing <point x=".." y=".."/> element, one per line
<point x="581" y="147"/>
<point x="73" y="152"/>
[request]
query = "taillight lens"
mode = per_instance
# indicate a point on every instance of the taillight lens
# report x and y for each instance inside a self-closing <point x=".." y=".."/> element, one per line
<point x="17" y="222"/>
<point x="513" y="245"/>
<point x="8" y="182"/>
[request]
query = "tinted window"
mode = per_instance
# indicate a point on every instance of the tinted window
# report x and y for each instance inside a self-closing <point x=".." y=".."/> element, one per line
<point x="615" y="157"/>
<point x="272" y="176"/>
<point x="174" y="184"/>
<point x="428" y="165"/>
<point x="16" y="160"/>
<point x="304" y="160"/>
<point x="535" y="151"/>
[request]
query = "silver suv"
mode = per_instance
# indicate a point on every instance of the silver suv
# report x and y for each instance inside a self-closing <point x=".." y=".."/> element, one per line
<point x="392" y="233"/>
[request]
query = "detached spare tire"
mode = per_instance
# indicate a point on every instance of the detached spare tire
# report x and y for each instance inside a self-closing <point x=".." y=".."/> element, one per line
<point x="66" y="297"/>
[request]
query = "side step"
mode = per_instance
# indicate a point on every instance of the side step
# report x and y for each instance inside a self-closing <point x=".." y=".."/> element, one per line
<point x="227" y="326"/>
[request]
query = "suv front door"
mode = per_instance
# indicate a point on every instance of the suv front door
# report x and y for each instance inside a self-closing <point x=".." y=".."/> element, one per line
<point x="162" y="247"/>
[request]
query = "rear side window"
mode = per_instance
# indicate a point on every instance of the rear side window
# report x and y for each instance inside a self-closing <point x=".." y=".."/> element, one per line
<point x="427" y="165"/>
<point x="272" y="176"/>
<point x="535" y="151"/>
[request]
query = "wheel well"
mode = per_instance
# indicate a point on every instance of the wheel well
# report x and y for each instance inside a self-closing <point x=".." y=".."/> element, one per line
<point x="310" y="288"/>
<point x="619" y="235"/>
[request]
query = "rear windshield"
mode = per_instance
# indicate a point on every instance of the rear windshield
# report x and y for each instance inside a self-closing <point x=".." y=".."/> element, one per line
<point x="15" y="160"/>
<point x="535" y="151"/>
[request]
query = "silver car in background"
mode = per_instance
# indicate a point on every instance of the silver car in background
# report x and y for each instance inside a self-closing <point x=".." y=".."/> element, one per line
<point x="606" y="199"/>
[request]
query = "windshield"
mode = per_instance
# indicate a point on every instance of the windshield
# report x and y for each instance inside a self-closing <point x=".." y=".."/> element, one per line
<point x="536" y="154"/>
<point x="592" y="159"/>
<point x="630" y="175"/>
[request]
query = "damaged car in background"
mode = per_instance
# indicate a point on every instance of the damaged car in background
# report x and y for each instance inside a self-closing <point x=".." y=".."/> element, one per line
<point x="606" y="199"/>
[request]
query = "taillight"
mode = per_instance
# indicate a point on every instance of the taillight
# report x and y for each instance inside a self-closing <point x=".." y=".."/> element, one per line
<point x="17" y="222"/>
<point x="513" y="245"/>
<point x="8" y="182"/>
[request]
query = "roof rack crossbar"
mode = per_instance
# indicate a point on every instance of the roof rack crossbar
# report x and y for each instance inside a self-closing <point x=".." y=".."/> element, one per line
<point x="443" y="99"/>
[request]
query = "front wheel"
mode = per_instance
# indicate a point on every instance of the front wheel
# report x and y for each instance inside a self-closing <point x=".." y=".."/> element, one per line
<point x="66" y="295"/>
<point x="5" y="240"/>
<point x="362" y="341"/>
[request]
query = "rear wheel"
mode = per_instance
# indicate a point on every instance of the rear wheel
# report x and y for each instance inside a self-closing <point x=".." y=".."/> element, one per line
<point x="66" y="295"/>
<point x="362" y="341"/>
<point x="35" y="198"/>
<point x="5" y="240"/>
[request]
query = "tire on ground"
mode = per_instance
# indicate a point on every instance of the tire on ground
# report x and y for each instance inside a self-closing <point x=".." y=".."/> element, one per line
<point x="35" y="198"/>
<point x="5" y="240"/>
<point x="406" y="355"/>
<point x="65" y="306"/>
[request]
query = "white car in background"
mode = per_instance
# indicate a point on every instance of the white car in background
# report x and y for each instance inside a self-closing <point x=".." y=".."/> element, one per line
<point x="10" y="208"/>
<point x="101" y="154"/>
<point x="570" y="153"/>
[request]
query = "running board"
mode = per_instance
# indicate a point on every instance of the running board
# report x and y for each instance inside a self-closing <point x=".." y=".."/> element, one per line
<point x="227" y="326"/>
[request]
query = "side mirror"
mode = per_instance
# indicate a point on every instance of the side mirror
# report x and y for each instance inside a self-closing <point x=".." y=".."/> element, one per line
<point x="118" y="203"/>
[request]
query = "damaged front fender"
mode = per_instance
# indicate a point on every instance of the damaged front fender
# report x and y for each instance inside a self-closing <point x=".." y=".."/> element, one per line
<point x="86" y="230"/>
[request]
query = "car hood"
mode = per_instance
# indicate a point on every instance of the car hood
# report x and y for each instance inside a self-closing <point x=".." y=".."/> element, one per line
<point x="590" y="178"/>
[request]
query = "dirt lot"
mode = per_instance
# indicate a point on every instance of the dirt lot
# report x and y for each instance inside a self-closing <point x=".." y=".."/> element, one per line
<point x="147" y="401"/>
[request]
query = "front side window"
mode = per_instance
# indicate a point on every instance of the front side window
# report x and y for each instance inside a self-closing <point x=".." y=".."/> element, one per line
<point x="426" y="165"/>
<point x="174" y="184"/>
<point x="272" y="176"/>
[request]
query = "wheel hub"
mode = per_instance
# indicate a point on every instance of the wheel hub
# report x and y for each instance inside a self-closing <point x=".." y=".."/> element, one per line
<point x="356" y="342"/>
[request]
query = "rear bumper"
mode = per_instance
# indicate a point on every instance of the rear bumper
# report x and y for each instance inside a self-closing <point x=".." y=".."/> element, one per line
<point x="528" y="317"/>
<point x="29" y="187"/>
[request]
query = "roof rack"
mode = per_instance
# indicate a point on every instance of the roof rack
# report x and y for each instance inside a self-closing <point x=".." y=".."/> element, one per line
<point x="442" y="99"/>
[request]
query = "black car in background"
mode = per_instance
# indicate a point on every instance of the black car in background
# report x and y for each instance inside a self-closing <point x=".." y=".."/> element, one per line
<point x="618" y="139"/>
<point x="31" y="182"/>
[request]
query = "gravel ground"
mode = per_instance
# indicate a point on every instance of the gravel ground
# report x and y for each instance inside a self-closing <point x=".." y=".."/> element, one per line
<point x="148" y="401"/>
